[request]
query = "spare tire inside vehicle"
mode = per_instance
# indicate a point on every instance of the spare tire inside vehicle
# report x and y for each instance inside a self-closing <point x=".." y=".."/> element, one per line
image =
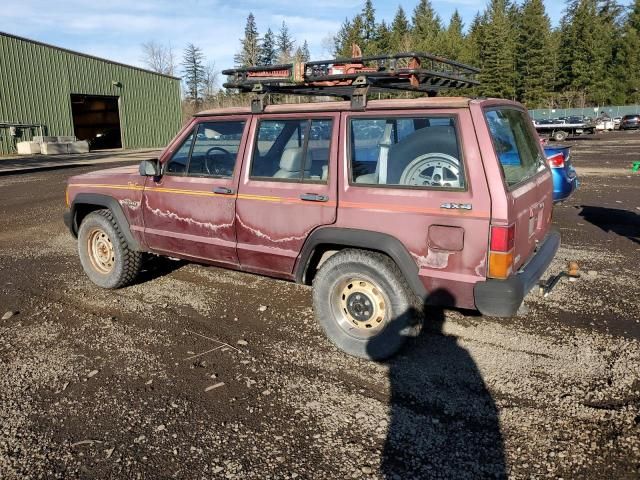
<point x="436" y="139"/>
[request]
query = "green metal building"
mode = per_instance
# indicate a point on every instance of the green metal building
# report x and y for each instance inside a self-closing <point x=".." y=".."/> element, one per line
<point x="50" y="91"/>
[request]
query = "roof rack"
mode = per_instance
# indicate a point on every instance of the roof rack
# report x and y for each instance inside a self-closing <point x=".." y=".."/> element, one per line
<point x="353" y="78"/>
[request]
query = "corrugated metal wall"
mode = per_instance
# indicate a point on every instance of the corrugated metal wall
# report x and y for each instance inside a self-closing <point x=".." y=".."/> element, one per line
<point x="36" y="82"/>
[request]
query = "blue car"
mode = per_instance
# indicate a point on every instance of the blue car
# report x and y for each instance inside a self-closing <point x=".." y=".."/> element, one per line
<point x="565" y="179"/>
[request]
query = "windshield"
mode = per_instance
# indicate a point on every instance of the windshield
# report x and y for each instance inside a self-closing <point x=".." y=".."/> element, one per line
<point x="516" y="146"/>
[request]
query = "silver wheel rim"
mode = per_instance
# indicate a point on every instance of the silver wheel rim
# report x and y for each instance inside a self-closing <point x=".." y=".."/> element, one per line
<point x="432" y="169"/>
<point x="101" y="251"/>
<point x="359" y="307"/>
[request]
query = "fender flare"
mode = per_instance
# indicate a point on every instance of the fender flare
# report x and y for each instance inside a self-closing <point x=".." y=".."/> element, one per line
<point x="366" y="239"/>
<point x="106" y="202"/>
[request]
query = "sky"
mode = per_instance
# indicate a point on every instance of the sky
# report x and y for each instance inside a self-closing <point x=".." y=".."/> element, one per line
<point x="115" y="29"/>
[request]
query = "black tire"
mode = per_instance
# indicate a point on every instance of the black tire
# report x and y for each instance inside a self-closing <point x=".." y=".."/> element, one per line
<point x="401" y="318"/>
<point x="560" y="135"/>
<point x="125" y="264"/>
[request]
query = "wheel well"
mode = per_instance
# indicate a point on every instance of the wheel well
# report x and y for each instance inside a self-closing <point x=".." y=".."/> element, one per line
<point x="321" y="254"/>
<point x="81" y="211"/>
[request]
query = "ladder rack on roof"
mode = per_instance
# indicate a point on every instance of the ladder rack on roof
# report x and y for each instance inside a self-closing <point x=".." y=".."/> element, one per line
<point x="353" y="78"/>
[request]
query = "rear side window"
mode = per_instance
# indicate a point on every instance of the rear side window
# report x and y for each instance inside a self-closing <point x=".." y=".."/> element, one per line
<point x="400" y="152"/>
<point x="515" y="145"/>
<point x="292" y="150"/>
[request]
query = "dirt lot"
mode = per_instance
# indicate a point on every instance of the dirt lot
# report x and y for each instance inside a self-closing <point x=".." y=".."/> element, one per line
<point x="100" y="384"/>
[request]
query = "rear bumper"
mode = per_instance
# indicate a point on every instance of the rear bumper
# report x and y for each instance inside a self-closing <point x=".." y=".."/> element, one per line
<point x="502" y="298"/>
<point x="563" y="185"/>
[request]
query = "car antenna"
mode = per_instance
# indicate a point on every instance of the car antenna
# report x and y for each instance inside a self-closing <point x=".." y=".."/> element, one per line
<point x="353" y="78"/>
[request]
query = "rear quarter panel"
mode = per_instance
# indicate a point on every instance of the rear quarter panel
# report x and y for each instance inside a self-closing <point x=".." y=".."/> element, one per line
<point x="408" y="214"/>
<point x="514" y="205"/>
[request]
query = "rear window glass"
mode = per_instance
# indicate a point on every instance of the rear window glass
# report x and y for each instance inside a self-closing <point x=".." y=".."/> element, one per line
<point x="516" y="146"/>
<point x="414" y="152"/>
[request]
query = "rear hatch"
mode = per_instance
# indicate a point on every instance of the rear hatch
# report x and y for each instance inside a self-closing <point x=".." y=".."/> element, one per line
<point x="527" y="185"/>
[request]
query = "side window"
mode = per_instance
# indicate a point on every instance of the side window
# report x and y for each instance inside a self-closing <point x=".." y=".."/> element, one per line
<point x="293" y="150"/>
<point x="317" y="154"/>
<point x="180" y="159"/>
<point x="516" y="147"/>
<point x="215" y="149"/>
<point x="406" y="152"/>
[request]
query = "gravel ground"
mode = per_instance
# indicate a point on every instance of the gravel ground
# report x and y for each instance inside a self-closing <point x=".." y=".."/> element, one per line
<point x="199" y="372"/>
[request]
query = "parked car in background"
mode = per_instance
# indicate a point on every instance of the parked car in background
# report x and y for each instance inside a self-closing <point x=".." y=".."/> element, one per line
<point x="616" y="122"/>
<point x="630" y="122"/>
<point x="565" y="179"/>
<point x="605" y="124"/>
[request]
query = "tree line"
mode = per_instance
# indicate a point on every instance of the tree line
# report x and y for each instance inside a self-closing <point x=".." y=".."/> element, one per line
<point x="200" y="77"/>
<point x="591" y="58"/>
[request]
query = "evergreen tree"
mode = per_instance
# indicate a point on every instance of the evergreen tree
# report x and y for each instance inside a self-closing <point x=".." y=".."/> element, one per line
<point x="582" y="66"/>
<point x="532" y="55"/>
<point x="369" y="27"/>
<point x="306" y="54"/>
<point x="553" y="65"/>
<point x="193" y="73"/>
<point x="633" y="19"/>
<point x="268" y="53"/>
<point x="476" y="39"/>
<point x="426" y="28"/>
<point x="400" y="28"/>
<point x="350" y="33"/>
<point x="498" y="53"/>
<point x="454" y="43"/>
<point x="285" y="44"/>
<point x="250" y="48"/>
<point x="302" y="53"/>
<point x="382" y="43"/>
<point x="627" y="59"/>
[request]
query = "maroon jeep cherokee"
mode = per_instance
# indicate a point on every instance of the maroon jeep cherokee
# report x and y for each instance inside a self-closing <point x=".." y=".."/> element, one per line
<point x="445" y="200"/>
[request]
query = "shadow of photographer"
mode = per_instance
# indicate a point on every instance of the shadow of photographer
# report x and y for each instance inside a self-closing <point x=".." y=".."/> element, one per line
<point x="443" y="420"/>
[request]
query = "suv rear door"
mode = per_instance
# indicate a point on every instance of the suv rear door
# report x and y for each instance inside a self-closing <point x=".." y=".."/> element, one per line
<point x="519" y="178"/>
<point x="287" y="189"/>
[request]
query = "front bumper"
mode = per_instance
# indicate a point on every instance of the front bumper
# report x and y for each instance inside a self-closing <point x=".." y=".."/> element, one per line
<point x="502" y="298"/>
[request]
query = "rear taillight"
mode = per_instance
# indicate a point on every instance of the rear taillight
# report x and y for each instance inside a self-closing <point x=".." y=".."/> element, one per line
<point x="556" y="160"/>
<point x="501" y="251"/>
<point x="502" y="238"/>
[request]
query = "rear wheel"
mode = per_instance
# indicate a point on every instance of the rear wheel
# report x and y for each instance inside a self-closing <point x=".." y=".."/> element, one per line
<point x="560" y="135"/>
<point x="104" y="253"/>
<point x="364" y="305"/>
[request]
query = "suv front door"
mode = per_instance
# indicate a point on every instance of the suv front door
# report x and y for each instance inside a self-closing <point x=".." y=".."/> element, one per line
<point x="189" y="211"/>
<point x="287" y="189"/>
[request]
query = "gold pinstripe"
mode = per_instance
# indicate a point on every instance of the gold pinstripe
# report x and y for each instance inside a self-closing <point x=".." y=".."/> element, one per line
<point x="266" y="198"/>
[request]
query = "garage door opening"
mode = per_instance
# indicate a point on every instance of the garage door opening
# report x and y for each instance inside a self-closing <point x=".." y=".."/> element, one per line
<point x="97" y="120"/>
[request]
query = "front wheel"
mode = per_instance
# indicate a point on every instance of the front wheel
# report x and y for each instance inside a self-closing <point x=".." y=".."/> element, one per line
<point x="364" y="305"/>
<point x="104" y="253"/>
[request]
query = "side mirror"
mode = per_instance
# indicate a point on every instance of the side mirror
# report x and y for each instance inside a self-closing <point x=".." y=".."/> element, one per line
<point x="149" y="168"/>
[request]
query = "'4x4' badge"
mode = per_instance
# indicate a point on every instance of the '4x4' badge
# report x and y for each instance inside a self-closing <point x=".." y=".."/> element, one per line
<point x="459" y="206"/>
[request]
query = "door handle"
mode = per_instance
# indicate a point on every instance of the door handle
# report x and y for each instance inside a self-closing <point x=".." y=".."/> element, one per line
<point x="223" y="190"/>
<point x="313" y="197"/>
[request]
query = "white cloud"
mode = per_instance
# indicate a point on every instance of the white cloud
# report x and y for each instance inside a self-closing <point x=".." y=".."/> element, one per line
<point x="115" y="29"/>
